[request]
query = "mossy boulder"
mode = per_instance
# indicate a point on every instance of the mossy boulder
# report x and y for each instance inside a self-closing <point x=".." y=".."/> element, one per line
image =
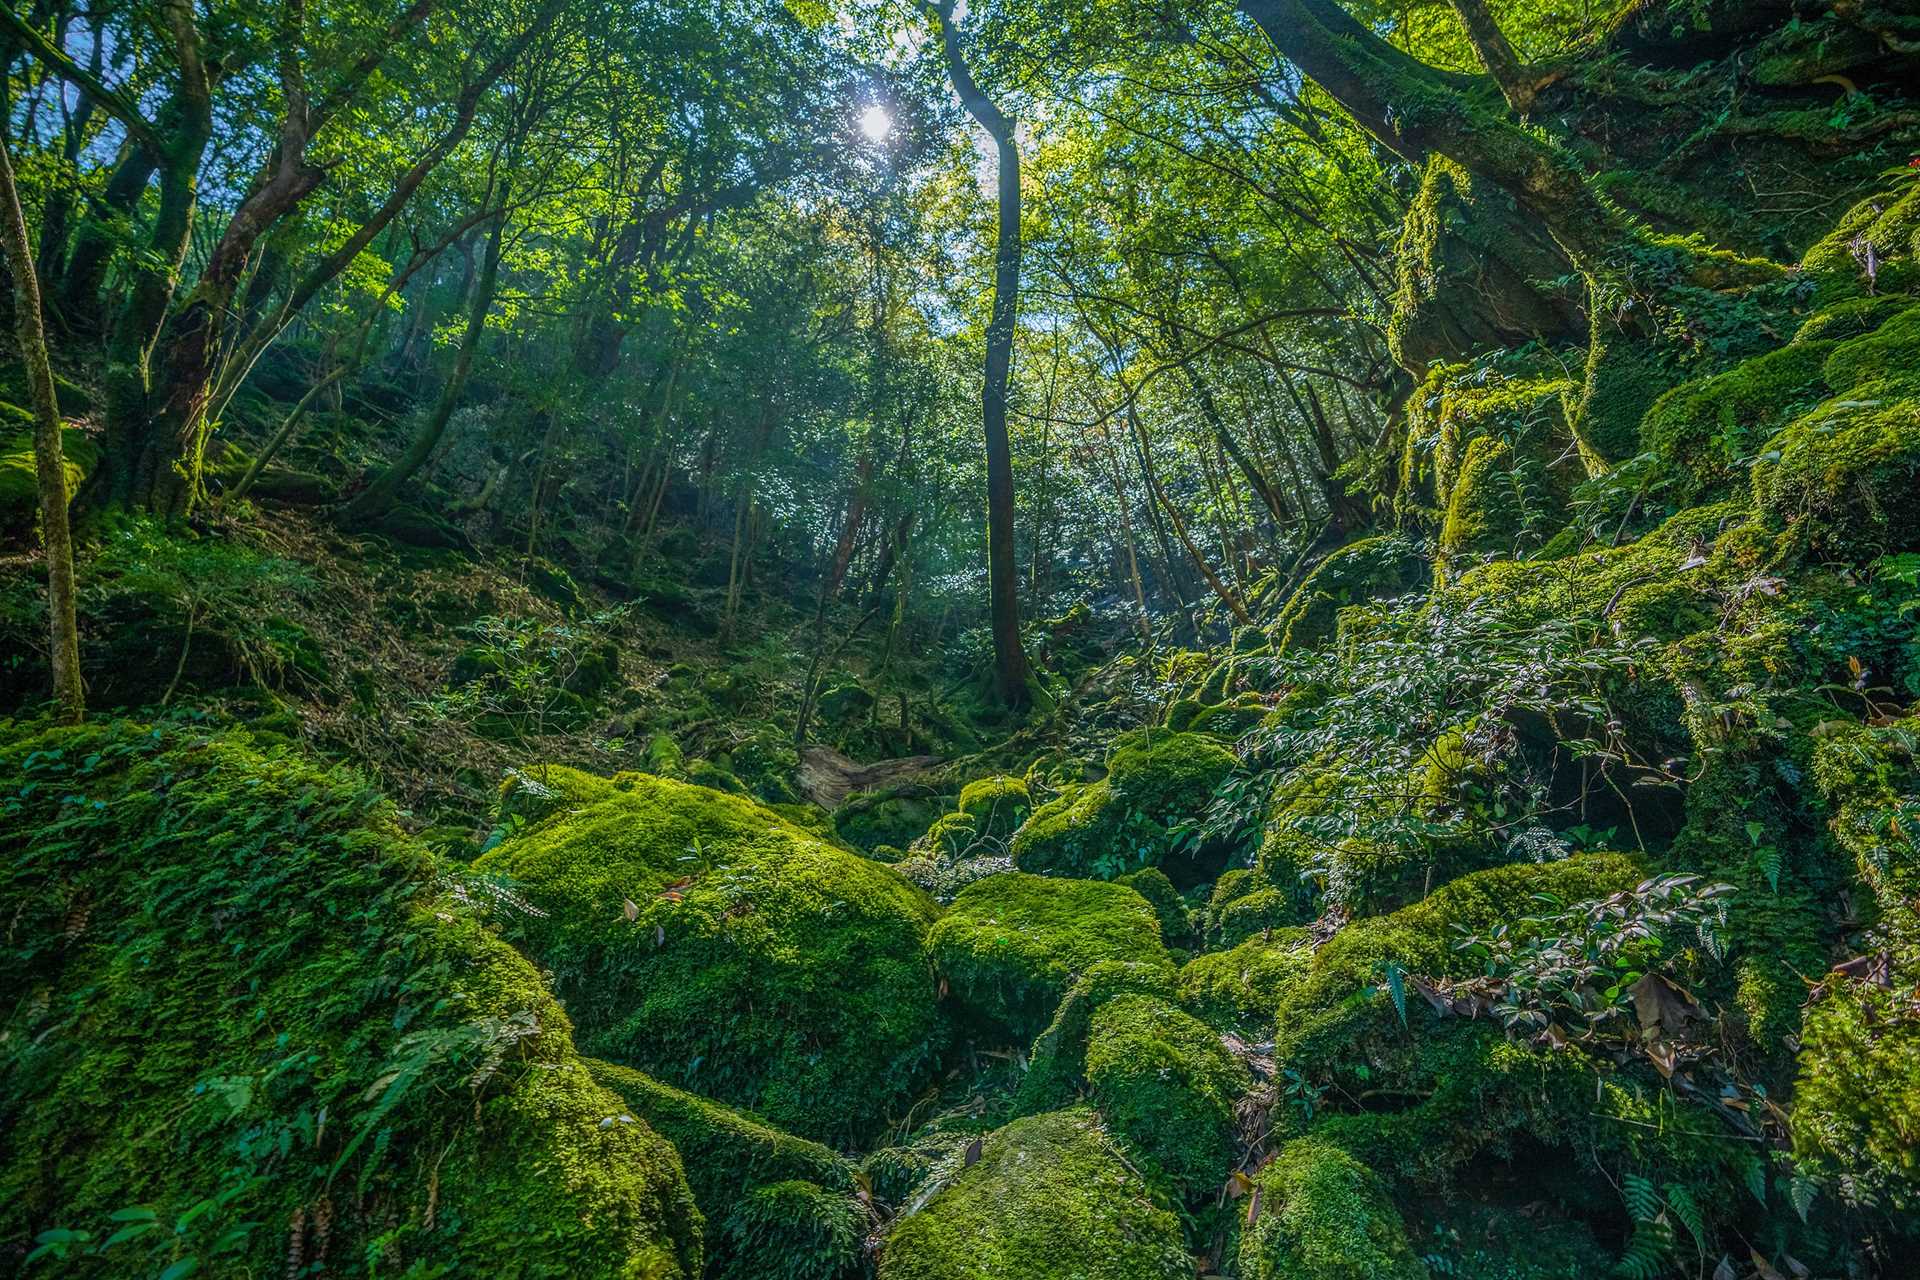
<point x="1241" y="986"/>
<point x="1010" y="945"/>
<point x="1164" y="1082"/>
<point x="1370" y="569"/>
<point x="19" y="474"/>
<point x="1120" y="823"/>
<point x="1049" y="1198"/>
<point x="997" y="804"/>
<point x="1845" y="475"/>
<point x="1176" y="917"/>
<point x="225" y="943"/>
<point x="1706" y="431"/>
<point x="1856" y="1108"/>
<point x="708" y="941"/>
<point x="1057" y="1065"/>
<point x="1323" y="1215"/>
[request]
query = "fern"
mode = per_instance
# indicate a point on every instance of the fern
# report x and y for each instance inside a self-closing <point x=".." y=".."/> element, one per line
<point x="1646" y="1254"/>
<point x="1643" y="1200"/>
<point x="1687" y="1210"/>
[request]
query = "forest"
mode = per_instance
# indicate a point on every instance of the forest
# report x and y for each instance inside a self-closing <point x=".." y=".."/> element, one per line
<point x="960" y="639"/>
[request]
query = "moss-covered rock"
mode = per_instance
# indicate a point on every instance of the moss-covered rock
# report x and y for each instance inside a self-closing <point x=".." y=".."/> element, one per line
<point x="1324" y="1216"/>
<point x="1242" y="986"/>
<point x="1057" y="1065"/>
<point x="997" y="804"/>
<point x="253" y="1011"/>
<point x="1845" y="475"/>
<point x="1706" y="430"/>
<point x="1856" y="1109"/>
<point x="1119" y="824"/>
<point x="1176" y="917"/>
<point x="19" y="474"/>
<point x="1369" y="569"/>
<point x="1010" y="945"/>
<point x="1048" y="1199"/>
<point x="706" y="940"/>
<point x="1164" y="1082"/>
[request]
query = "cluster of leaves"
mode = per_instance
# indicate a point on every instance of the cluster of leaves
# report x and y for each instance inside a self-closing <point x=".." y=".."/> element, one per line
<point x="1593" y="970"/>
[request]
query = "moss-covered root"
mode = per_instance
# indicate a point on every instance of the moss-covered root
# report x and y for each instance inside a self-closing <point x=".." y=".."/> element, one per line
<point x="1164" y="1081"/>
<point x="1322" y="1215"/>
<point x="245" y="1007"/>
<point x="1011" y="944"/>
<point x="1049" y="1198"/>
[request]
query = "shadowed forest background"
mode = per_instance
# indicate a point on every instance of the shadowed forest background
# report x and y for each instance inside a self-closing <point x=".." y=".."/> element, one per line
<point x="921" y="641"/>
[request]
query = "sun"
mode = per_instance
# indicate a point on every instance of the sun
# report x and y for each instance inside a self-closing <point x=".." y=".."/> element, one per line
<point x="875" y="123"/>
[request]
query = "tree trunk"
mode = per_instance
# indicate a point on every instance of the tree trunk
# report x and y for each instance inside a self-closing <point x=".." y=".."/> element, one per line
<point x="50" y="466"/>
<point x="379" y="496"/>
<point x="1012" y="676"/>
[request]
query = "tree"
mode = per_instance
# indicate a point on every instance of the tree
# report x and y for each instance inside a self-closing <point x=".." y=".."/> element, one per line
<point x="1012" y="676"/>
<point x="50" y="467"/>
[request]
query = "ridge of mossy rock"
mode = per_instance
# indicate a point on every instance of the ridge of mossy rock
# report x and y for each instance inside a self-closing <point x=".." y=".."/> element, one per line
<point x="1854" y="318"/>
<point x="1010" y="945"/>
<point x="1048" y="1199"/>
<point x="1324" y="1216"/>
<point x="1420" y="939"/>
<point x="1846" y="471"/>
<point x="758" y="964"/>
<point x="725" y="1150"/>
<point x="1119" y="824"/>
<point x="1057" y="1063"/>
<point x="304" y="960"/>
<point x="1705" y="430"/>
<point x="1891" y="224"/>
<point x="1164" y="1082"/>
<point x="1369" y="569"/>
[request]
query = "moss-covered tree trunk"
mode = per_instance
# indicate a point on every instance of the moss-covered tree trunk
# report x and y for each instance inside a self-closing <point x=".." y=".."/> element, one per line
<point x="50" y="466"/>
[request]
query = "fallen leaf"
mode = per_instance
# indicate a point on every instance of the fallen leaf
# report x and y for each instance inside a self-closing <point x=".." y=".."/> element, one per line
<point x="1725" y="1270"/>
<point x="1253" y="1207"/>
<point x="1661" y="1006"/>
<point x="630" y="909"/>
<point x="974" y="1149"/>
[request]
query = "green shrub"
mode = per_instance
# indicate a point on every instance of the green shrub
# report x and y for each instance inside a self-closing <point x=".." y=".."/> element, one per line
<point x="790" y="1231"/>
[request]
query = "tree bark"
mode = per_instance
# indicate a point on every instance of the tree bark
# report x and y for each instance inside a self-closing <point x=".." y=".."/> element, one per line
<point x="1013" y="676"/>
<point x="49" y="463"/>
<point x="378" y="498"/>
<point x="1497" y="55"/>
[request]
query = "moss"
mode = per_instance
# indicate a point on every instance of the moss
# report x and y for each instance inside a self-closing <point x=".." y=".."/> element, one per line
<point x="664" y="758"/>
<point x="1891" y="224"/>
<point x="1856" y="1111"/>
<point x="1119" y="824"/>
<point x="1372" y="568"/>
<point x="1845" y="475"/>
<point x="1706" y="430"/>
<point x="998" y="804"/>
<point x="1420" y="937"/>
<point x="1048" y="1199"/>
<point x="1229" y="720"/>
<point x="758" y="965"/>
<point x="1252" y="915"/>
<point x="871" y="819"/>
<point x="1880" y="363"/>
<point x="1057" y="1066"/>
<point x="1164" y="1082"/>
<point x="790" y="1231"/>
<point x="1010" y="945"/>
<point x="952" y="835"/>
<point x="1324" y="1216"/>
<point x="19" y="474"/>
<point x="226" y="942"/>
<point x="725" y="1151"/>
<point x="1242" y="986"/>
<point x="539" y="791"/>
<point x="1176" y="918"/>
<point x="1854" y="318"/>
